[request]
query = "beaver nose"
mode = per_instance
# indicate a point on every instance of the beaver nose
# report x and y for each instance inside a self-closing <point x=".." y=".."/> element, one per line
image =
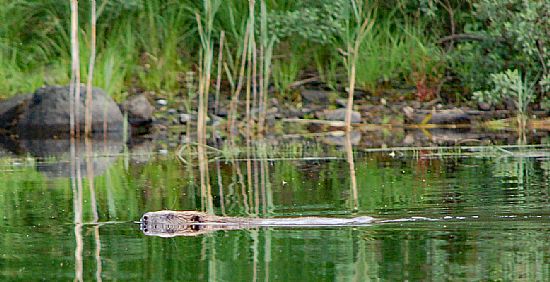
<point x="143" y="223"/>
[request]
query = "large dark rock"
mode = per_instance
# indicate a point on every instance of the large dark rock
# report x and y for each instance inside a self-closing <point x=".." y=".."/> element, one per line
<point x="46" y="113"/>
<point x="11" y="109"/>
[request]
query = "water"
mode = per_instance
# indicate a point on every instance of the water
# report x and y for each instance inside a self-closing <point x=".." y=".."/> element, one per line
<point x="491" y="210"/>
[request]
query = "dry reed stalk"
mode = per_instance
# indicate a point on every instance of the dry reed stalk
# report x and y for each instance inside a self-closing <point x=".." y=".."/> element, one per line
<point x="200" y="121"/>
<point x="353" y="53"/>
<point x="248" y="88"/>
<point x="205" y="71"/>
<point x="204" y="80"/>
<point x="349" y="105"/>
<point x="220" y="71"/>
<point x="88" y="107"/>
<point x="75" y="73"/>
<point x="251" y="73"/>
<point x="266" y="50"/>
<point x="235" y="99"/>
<point x="261" y="108"/>
<point x="254" y="80"/>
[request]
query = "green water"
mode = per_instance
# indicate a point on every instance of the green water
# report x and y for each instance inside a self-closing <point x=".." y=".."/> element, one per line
<point x="492" y="208"/>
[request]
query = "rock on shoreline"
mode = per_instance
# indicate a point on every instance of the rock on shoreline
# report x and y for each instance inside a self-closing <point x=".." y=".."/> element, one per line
<point x="46" y="112"/>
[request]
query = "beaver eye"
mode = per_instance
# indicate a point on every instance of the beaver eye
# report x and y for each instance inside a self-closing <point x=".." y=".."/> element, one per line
<point x="195" y="218"/>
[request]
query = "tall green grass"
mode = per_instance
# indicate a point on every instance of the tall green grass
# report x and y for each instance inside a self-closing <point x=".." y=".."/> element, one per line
<point x="151" y="45"/>
<point x="393" y="51"/>
<point x="138" y="45"/>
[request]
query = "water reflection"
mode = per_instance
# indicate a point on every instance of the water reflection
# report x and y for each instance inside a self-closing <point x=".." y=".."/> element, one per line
<point x="76" y="179"/>
<point x="502" y="192"/>
<point x="54" y="155"/>
<point x="353" y="179"/>
<point x="76" y="185"/>
<point x="422" y="252"/>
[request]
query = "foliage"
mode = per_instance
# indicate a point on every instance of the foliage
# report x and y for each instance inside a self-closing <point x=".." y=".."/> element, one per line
<point x="394" y="52"/>
<point x="509" y="84"/>
<point x="151" y="45"/>
<point x="314" y="21"/>
<point x="514" y="35"/>
<point x="545" y="88"/>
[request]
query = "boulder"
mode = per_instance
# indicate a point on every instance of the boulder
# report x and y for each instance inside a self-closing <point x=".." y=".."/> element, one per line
<point x="46" y="113"/>
<point x="318" y="97"/>
<point x="10" y="110"/>
<point x="452" y="116"/>
<point x="140" y="111"/>
<point x="339" y="114"/>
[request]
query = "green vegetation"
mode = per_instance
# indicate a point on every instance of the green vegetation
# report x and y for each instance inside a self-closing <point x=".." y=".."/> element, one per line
<point x="152" y="45"/>
<point x="509" y="85"/>
<point x="510" y="34"/>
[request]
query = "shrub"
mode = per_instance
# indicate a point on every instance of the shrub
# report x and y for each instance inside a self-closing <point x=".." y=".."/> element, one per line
<point x="512" y="34"/>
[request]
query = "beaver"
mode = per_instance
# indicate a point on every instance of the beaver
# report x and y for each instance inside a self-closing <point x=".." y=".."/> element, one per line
<point x="168" y="223"/>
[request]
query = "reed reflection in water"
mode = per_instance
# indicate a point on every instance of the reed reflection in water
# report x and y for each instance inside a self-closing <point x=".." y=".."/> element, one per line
<point x="76" y="180"/>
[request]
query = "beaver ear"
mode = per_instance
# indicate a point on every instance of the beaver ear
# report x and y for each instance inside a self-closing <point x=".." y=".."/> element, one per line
<point x="196" y="218"/>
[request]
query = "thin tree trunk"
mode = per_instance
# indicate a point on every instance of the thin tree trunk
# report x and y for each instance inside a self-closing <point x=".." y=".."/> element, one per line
<point x="88" y="110"/>
<point x="75" y="69"/>
<point x="219" y="78"/>
<point x="349" y="107"/>
<point x="235" y="99"/>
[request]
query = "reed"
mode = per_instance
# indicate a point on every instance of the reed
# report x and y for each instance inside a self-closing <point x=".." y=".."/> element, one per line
<point x="88" y="107"/>
<point x="266" y="53"/>
<point x="75" y="72"/>
<point x="205" y="71"/>
<point x="220" y="71"/>
<point x="235" y="97"/>
<point x="361" y="23"/>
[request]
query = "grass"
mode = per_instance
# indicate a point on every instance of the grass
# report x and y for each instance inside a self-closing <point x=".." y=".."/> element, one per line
<point x="137" y="46"/>
<point x="151" y="45"/>
<point x="395" y="52"/>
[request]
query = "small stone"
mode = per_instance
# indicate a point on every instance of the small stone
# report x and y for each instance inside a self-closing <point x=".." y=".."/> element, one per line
<point x="185" y="118"/>
<point x="484" y="106"/>
<point x="162" y="102"/>
<point x="172" y="111"/>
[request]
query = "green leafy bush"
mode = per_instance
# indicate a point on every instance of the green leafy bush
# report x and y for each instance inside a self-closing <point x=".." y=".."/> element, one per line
<point x="314" y="21"/>
<point x="511" y="34"/>
<point x="509" y="84"/>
